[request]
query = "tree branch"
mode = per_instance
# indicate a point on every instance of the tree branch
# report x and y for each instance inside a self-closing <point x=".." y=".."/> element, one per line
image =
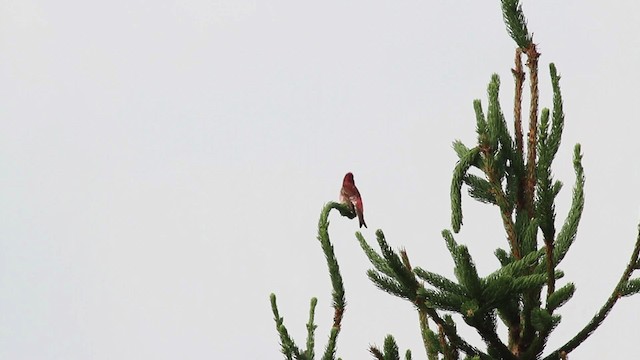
<point x="604" y="311"/>
<point x="532" y="64"/>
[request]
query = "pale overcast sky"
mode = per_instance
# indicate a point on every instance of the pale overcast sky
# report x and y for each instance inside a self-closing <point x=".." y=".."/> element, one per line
<point x="163" y="165"/>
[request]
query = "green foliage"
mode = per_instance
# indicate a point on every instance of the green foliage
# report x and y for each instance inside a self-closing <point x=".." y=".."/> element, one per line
<point x="521" y="292"/>
<point x="569" y="229"/>
<point x="327" y="248"/>
<point x="465" y="162"/>
<point x="560" y="296"/>
<point x="631" y="287"/>
<point x="288" y="347"/>
<point x="440" y="282"/>
<point x="390" y="350"/>
<point x="311" y="328"/>
<point x="516" y="23"/>
<point x="479" y="189"/>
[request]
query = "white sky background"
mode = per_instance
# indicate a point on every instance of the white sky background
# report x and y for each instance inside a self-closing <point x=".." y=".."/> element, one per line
<point x="163" y="166"/>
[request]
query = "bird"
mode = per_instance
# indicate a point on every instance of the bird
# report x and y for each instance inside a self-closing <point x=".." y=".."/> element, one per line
<point x="350" y="195"/>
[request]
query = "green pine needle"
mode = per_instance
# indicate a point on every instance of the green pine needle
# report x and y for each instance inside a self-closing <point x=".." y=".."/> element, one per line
<point x="459" y="148"/>
<point x="567" y="233"/>
<point x="407" y="355"/>
<point x="560" y="297"/>
<point x="481" y="123"/>
<point x="376" y="259"/>
<point x="632" y="287"/>
<point x="558" y="113"/>
<point x="387" y="284"/>
<point x="479" y="189"/>
<point x="516" y="23"/>
<point x="391" y="349"/>
<point x="311" y="328"/>
<point x="459" y="173"/>
<point x="439" y="281"/>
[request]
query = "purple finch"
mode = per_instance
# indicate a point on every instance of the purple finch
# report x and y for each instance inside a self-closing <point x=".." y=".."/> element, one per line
<point x="350" y="195"/>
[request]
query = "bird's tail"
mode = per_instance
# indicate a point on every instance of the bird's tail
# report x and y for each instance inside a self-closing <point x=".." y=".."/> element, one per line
<point x="361" y="220"/>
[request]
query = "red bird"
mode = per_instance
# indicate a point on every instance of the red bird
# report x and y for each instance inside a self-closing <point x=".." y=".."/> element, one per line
<point x="350" y="195"/>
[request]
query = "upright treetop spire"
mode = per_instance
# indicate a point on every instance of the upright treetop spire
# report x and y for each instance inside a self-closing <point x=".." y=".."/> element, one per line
<point x="516" y="23"/>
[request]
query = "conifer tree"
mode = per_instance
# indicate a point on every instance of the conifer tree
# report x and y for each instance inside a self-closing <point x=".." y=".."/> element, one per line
<point x="512" y="173"/>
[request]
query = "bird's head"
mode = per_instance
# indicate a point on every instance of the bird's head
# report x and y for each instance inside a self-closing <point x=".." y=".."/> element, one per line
<point x="348" y="178"/>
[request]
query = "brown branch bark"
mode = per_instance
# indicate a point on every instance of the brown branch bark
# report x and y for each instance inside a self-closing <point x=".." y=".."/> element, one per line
<point x="519" y="78"/>
<point x="518" y="74"/>
<point x="532" y="64"/>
